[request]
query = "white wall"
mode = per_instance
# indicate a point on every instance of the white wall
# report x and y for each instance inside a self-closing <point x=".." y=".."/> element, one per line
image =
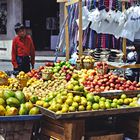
<point x="14" y="15"/>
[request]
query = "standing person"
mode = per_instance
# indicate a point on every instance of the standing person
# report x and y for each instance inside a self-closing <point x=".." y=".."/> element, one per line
<point x="23" y="50"/>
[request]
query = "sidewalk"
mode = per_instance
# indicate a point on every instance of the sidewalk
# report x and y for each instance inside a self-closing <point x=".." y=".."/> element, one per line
<point x="42" y="56"/>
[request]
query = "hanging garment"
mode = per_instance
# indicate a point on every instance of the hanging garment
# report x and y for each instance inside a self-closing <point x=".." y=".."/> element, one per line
<point x="85" y="20"/>
<point x="132" y="25"/>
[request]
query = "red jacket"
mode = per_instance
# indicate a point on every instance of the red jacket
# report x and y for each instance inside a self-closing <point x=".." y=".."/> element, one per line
<point x="22" y="47"/>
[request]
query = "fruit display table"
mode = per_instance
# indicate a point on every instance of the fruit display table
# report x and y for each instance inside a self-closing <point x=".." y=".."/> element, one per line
<point x="19" y="127"/>
<point x="96" y="125"/>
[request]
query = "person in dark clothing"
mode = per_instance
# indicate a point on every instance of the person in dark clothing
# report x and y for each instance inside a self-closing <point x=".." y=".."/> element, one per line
<point x="23" y="50"/>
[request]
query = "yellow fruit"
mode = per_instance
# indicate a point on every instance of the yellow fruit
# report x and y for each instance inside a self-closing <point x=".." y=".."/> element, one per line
<point x="114" y="105"/>
<point x="102" y="105"/>
<point x="2" y="101"/>
<point x="46" y="105"/>
<point x="120" y="101"/>
<point x="76" y="88"/>
<point x="34" y="111"/>
<point x="126" y="101"/>
<point x="64" y="109"/>
<point x="40" y="103"/>
<point x="70" y="86"/>
<point x="89" y="107"/>
<point x="81" y="108"/>
<point x="29" y="105"/>
<point x="77" y="99"/>
<point x="2" y="110"/>
<point x="72" y="109"/>
<point x="123" y="96"/>
<point x="107" y="105"/>
<point x="69" y="101"/>
<point x="95" y="106"/>
<point x="11" y="111"/>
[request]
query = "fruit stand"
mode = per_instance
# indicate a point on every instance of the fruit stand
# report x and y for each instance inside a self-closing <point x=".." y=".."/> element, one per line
<point x="71" y="102"/>
<point x="102" y="125"/>
<point x="88" y="103"/>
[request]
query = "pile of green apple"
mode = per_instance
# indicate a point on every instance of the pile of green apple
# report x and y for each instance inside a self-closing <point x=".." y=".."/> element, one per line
<point x="74" y="84"/>
<point x="64" y="102"/>
<point x="61" y="69"/>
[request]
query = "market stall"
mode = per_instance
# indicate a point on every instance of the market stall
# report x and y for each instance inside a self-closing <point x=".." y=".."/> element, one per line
<point x="65" y="101"/>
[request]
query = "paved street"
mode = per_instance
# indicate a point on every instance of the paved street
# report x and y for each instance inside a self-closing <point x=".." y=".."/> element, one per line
<point x="40" y="60"/>
<point x="7" y="66"/>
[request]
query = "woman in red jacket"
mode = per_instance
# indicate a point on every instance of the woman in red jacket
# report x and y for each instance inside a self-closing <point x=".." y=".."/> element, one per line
<point x="23" y="50"/>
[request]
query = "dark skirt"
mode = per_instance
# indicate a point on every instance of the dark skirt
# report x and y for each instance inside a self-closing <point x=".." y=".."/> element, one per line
<point x="23" y="63"/>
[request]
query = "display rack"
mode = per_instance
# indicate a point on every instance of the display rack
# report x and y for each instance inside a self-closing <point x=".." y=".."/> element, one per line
<point x="66" y="3"/>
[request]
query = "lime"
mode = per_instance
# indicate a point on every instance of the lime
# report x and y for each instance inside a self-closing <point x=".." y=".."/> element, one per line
<point x="76" y="88"/>
<point x="96" y="98"/>
<point x="69" y="101"/>
<point x="89" y="103"/>
<point x="126" y="101"/>
<point x="70" y="94"/>
<point x="77" y="99"/>
<point x="102" y="105"/>
<point x="63" y="97"/>
<point x="115" y="100"/>
<point x="81" y="108"/>
<point x="46" y="105"/>
<point x="70" y="86"/>
<point x="59" y="112"/>
<point x="89" y="107"/>
<point x="95" y="106"/>
<point x="72" y="109"/>
<point x="33" y="99"/>
<point x="59" y="100"/>
<point x="40" y="103"/>
<point x="2" y="110"/>
<point x="120" y="101"/>
<point x="75" y="104"/>
<point x="34" y="111"/>
<point x="107" y="105"/>
<point x="75" y="76"/>
<point x="29" y="105"/>
<point x="135" y="99"/>
<point x="123" y="96"/>
<point x="84" y="102"/>
<point x="58" y="106"/>
<point x="90" y="97"/>
<point x="103" y="99"/>
<point x="64" y="109"/>
<point x="114" y="105"/>
<point x="2" y="101"/>
<point x="74" y="82"/>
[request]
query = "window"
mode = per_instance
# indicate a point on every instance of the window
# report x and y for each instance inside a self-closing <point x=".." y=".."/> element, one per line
<point x="3" y="17"/>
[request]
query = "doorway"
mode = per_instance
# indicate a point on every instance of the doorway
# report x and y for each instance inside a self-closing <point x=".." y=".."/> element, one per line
<point x="41" y="18"/>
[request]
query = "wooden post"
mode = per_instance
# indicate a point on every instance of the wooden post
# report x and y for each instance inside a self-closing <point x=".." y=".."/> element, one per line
<point x="124" y="40"/>
<point x="66" y="33"/>
<point x="80" y="29"/>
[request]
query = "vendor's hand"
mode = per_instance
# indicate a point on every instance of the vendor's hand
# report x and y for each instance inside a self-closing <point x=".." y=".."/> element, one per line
<point x="16" y="69"/>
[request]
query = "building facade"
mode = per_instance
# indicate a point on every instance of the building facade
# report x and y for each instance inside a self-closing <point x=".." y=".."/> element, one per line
<point x="41" y="19"/>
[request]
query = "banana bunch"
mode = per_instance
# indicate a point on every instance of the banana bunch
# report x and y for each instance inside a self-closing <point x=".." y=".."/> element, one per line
<point x="14" y="84"/>
<point x="3" y="74"/>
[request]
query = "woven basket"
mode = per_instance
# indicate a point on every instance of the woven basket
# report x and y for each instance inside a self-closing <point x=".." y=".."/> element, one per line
<point x="47" y="75"/>
<point x="88" y="65"/>
<point x="3" y="81"/>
